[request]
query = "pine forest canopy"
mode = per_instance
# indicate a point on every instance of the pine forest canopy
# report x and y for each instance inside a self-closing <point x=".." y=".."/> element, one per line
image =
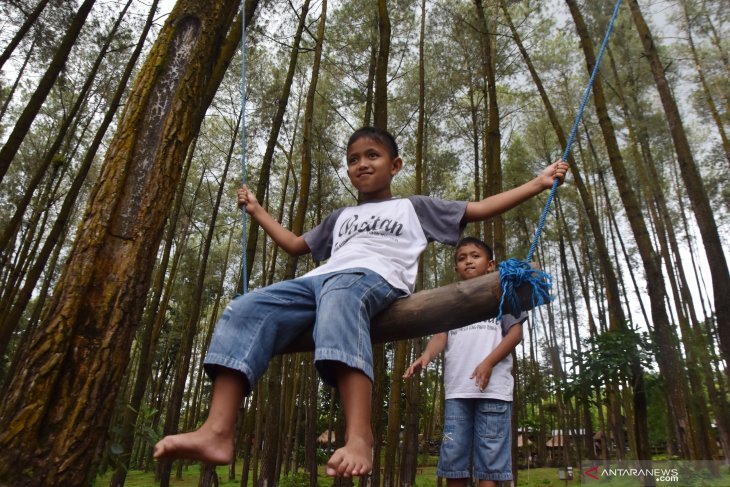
<point x="120" y="240"/>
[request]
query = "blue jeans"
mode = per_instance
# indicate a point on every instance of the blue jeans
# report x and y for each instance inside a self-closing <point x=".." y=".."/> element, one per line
<point x="256" y="326"/>
<point x="481" y="426"/>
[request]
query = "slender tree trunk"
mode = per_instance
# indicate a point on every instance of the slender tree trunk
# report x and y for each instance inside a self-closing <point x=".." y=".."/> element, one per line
<point x="276" y="123"/>
<point x="53" y="152"/>
<point x="20" y="34"/>
<point x="9" y="95"/>
<point x="714" y="113"/>
<point x="10" y="321"/>
<point x="190" y="330"/>
<point x="381" y="67"/>
<point x="693" y="183"/>
<point x="616" y="313"/>
<point x="693" y="344"/>
<point x="667" y="357"/>
<point x="22" y="125"/>
<point x="306" y="167"/>
<point x="369" y="84"/>
<point x="392" y="440"/>
<point x="80" y="351"/>
<point x="493" y="137"/>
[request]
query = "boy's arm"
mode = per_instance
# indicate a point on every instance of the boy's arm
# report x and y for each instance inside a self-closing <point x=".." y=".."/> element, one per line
<point x="435" y="346"/>
<point x="293" y="244"/>
<point x="499" y="203"/>
<point x="483" y="372"/>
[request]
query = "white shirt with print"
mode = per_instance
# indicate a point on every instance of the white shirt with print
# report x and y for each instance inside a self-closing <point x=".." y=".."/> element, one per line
<point x="466" y="348"/>
<point x="385" y="236"/>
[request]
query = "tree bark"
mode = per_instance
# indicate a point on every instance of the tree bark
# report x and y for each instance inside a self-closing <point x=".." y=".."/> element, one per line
<point x="693" y="183"/>
<point x="149" y="332"/>
<point x="667" y="358"/>
<point x="266" y="162"/>
<point x="20" y="34"/>
<point x="381" y="67"/>
<point x="53" y="152"/>
<point x="12" y="318"/>
<point x="22" y="125"/>
<point x="433" y="311"/>
<point x="306" y="166"/>
<point x="493" y="137"/>
<point x="54" y="418"/>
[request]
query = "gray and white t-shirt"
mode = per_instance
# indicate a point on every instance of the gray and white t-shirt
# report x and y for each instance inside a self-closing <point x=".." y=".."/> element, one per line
<point x="385" y="236"/>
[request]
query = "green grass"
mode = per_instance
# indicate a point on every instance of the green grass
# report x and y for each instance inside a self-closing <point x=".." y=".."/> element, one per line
<point x="426" y="477"/>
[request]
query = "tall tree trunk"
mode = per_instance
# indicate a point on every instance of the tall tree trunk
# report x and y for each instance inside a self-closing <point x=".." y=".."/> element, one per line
<point x="62" y="400"/>
<point x="306" y="167"/>
<point x="392" y="440"/>
<point x="381" y="67"/>
<point x="53" y="152"/>
<point x="9" y="94"/>
<point x="148" y="338"/>
<point x="20" y="34"/>
<point x="276" y="123"/>
<point x="693" y="182"/>
<point x="615" y="310"/>
<point x="190" y="330"/>
<point x="493" y="137"/>
<point x="714" y="113"/>
<point x="268" y="470"/>
<point x="656" y="201"/>
<point x="22" y="125"/>
<point x="409" y="457"/>
<point x="616" y="313"/>
<point x="667" y="357"/>
<point x="10" y="321"/>
<point x="369" y="84"/>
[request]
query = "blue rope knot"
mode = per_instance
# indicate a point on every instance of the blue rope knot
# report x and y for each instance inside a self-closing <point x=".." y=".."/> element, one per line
<point x="513" y="274"/>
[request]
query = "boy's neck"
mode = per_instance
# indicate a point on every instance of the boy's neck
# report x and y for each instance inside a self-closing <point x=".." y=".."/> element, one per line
<point x="361" y="201"/>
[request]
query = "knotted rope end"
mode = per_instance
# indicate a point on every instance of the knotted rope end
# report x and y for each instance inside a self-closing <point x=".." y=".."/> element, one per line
<point x="513" y="274"/>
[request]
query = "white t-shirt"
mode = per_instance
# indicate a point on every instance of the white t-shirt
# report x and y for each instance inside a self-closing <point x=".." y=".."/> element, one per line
<point x="466" y="347"/>
<point x="385" y="236"/>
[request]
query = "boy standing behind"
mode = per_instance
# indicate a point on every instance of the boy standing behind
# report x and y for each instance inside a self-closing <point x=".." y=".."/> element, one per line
<point x="478" y="384"/>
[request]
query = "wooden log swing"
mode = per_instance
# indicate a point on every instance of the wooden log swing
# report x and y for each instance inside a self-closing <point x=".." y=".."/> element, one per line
<point x="434" y="310"/>
<point x="462" y="303"/>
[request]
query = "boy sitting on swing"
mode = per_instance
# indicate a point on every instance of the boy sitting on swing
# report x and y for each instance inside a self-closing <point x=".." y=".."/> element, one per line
<point x="373" y="251"/>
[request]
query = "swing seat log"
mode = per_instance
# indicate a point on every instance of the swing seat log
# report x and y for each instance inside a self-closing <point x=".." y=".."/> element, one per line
<point x="433" y="311"/>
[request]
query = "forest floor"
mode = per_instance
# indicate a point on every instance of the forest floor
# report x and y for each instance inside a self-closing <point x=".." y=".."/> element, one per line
<point x="426" y="477"/>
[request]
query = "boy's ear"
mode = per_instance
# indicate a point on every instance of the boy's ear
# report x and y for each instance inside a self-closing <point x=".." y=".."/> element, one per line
<point x="492" y="266"/>
<point x="396" y="166"/>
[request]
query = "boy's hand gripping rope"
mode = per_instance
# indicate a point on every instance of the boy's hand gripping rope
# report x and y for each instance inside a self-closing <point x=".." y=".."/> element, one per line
<point x="513" y="273"/>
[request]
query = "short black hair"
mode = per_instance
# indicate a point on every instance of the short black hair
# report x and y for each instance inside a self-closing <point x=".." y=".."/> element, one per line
<point x="474" y="241"/>
<point x="378" y="134"/>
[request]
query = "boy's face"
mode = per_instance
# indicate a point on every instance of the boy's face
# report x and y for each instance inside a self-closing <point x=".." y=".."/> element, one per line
<point x="472" y="261"/>
<point x="370" y="168"/>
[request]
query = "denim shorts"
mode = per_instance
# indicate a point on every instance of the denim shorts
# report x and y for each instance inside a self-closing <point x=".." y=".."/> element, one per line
<point x="256" y="326"/>
<point x="481" y="426"/>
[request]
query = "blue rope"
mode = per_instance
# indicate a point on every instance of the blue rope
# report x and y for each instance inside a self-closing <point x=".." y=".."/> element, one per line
<point x="513" y="272"/>
<point x="244" y="272"/>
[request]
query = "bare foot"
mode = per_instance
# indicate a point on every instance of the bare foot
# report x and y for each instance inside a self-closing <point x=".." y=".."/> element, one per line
<point x="203" y="445"/>
<point x="353" y="459"/>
